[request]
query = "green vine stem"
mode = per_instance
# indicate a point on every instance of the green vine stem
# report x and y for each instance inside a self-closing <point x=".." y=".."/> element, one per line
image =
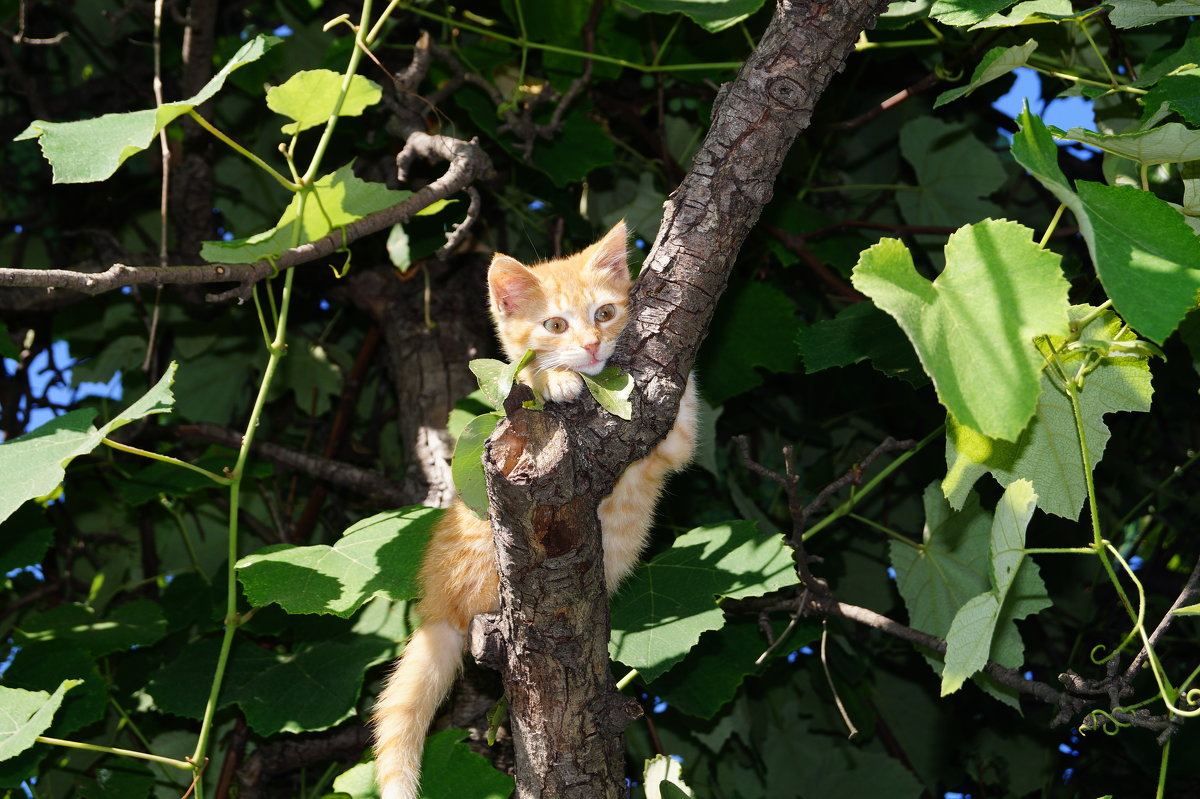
<point x="112" y="750"/>
<point x="275" y="354"/>
<point x="351" y="68"/>
<point x="242" y="151"/>
<point x="216" y="478"/>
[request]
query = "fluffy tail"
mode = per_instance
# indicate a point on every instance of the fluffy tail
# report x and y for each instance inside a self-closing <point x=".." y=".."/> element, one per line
<point x="416" y="687"/>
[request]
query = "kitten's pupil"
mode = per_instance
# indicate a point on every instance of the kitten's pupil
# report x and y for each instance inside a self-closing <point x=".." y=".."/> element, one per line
<point x="555" y="325"/>
<point x="605" y="312"/>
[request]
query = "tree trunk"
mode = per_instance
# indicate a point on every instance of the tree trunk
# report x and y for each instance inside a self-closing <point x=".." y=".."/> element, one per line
<point x="548" y="470"/>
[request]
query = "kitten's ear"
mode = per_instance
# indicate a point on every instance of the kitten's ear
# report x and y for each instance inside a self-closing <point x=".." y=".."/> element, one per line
<point x="610" y="256"/>
<point x="510" y="283"/>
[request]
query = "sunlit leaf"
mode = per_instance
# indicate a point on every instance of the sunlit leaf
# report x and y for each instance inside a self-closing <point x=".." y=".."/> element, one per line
<point x="24" y="715"/>
<point x="33" y="465"/>
<point x="1047" y="452"/>
<point x="974" y="325"/>
<point x="378" y="556"/>
<point x="996" y="63"/>
<point x="662" y="610"/>
<point x="92" y="149"/>
<point x="466" y="466"/>
<point x="309" y="97"/>
<point x="611" y="388"/>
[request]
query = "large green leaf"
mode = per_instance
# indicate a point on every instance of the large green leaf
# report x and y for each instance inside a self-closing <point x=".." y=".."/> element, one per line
<point x="43" y="665"/>
<point x="138" y="623"/>
<point x="334" y="201"/>
<point x="1032" y="11"/>
<point x="955" y="173"/>
<point x="309" y="97"/>
<point x="950" y="565"/>
<point x="996" y="63"/>
<point x="450" y="770"/>
<point x="1047" y="452"/>
<point x="91" y="149"/>
<point x="1136" y="13"/>
<point x="313" y="687"/>
<point x="466" y="465"/>
<point x="378" y="556"/>
<point x="712" y="16"/>
<point x="860" y="331"/>
<point x="966" y="12"/>
<point x="1181" y="93"/>
<point x="33" y="465"/>
<point x="754" y="327"/>
<point x="660" y="613"/>
<point x="1016" y="591"/>
<point x="24" y="715"/>
<point x="973" y="326"/>
<point x="1172" y="143"/>
<point x="1144" y="252"/>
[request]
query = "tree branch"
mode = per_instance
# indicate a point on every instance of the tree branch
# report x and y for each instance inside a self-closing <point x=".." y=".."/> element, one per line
<point x="547" y="471"/>
<point x="467" y="164"/>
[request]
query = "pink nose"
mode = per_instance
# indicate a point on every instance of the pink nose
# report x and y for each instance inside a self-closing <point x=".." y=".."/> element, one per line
<point x="592" y="348"/>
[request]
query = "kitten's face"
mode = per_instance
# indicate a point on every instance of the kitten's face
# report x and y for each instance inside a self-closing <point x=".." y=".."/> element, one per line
<point x="569" y="311"/>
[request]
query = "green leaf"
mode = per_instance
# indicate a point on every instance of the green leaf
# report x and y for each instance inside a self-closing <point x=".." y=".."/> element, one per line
<point x="945" y="193"/>
<point x="1143" y="250"/>
<point x="313" y="687"/>
<point x="1188" y="610"/>
<point x="309" y="97"/>
<point x="1032" y="11"/>
<point x="973" y="326"/>
<point x="1136" y="13"/>
<point x="1017" y="591"/>
<point x="466" y="465"/>
<point x="1047" y="452"/>
<point x="996" y="63"/>
<point x="496" y="377"/>
<point x="1145" y="254"/>
<point x="860" y="331"/>
<point x="399" y="253"/>
<point x="33" y="465"/>
<point x="948" y="568"/>
<point x="1171" y="143"/>
<point x="711" y="16"/>
<point x="138" y="623"/>
<point x="314" y="378"/>
<point x="334" y="201"/>
<point x="92" y="149"/>
<point x="714" y="670"/>
<point x="24" y="715"/>
<point x="357" y="782"/>
<point x="754" y="327"/>
<point x="24" y="538"/>
<point x="450" y="770"/>
<point x="966" y="12"/>
<point x="378" y="556"/>
<point x="43" y="665"/>
<point x="612" y="389"/>
<point x="1181" y="93"/>
<point x="575" y="151"/>
<point x="670" y="601"/>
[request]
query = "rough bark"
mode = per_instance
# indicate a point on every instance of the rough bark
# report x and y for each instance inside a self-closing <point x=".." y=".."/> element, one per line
<point x="428" y="366"/>
<point x="547" y="471"/>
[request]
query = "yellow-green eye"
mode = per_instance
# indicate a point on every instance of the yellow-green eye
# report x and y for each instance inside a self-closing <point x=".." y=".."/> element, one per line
<point x="556" y="325"/>
<point x="606" y="312"/>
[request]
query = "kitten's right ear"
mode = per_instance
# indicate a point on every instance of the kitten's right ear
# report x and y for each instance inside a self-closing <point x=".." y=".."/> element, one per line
<point x="510" y="283"/>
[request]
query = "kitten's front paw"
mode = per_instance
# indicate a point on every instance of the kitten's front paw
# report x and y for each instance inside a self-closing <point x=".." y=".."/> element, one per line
<point x="561" y="385"/>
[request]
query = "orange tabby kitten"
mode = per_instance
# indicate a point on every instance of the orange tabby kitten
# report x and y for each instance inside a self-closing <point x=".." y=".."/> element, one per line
<point x="569" y="312"/>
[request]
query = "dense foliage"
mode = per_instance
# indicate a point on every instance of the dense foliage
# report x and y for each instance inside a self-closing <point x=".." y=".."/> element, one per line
<point x="977" y="330"/>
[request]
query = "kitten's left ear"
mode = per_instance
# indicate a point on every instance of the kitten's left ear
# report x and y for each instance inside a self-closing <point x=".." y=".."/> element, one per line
<point x="610" y="256"/>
